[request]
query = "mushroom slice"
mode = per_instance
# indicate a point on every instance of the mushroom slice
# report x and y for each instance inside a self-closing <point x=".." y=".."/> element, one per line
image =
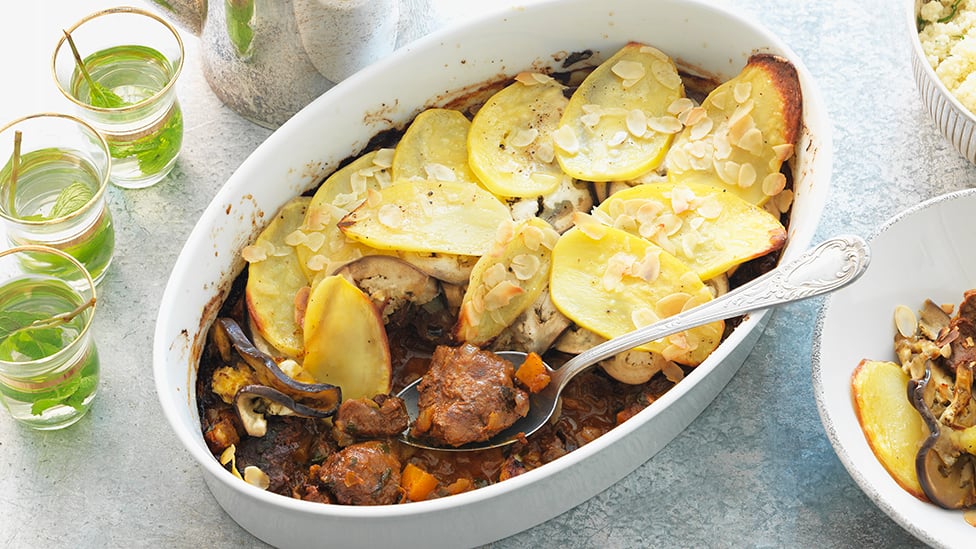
<point x="254" y="401"/>
<point x="451" y="268"/>
<point x="325" y="396"/>
<point x="390" y="283"/>
<point x="946" y="476"/>
<point x="535" y="330"/>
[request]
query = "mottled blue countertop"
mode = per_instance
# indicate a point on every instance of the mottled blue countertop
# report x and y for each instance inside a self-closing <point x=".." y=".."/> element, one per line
<point x="755" y="469"/>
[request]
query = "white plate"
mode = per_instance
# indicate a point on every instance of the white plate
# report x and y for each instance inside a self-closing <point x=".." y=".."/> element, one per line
<point x="924" y="252"/>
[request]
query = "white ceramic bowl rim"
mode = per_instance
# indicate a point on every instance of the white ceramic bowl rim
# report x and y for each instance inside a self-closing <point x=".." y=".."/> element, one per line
<point x="911" y="12"/>
<point x="174" y="407"/>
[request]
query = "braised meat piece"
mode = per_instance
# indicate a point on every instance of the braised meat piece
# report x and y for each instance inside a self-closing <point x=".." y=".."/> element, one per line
<point x="382" y="416"/>
<point x="284" y="452"/>
<point x="367" y="473"/>
<point x="468" y="395"/>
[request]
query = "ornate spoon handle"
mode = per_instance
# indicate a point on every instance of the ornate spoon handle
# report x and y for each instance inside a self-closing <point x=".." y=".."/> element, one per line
<point x="830" y="266"/>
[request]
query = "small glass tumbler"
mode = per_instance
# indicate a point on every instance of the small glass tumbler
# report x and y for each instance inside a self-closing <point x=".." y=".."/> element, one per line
<point x="52" y="188"/>
<point x="49" y="365"/>
<point x="120" y="69"/>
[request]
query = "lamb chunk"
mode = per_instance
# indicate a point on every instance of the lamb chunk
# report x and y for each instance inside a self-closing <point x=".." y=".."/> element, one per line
<point x="382" y="416"/>
<point x="467" y="396"/>
<point x="367" y="473"/>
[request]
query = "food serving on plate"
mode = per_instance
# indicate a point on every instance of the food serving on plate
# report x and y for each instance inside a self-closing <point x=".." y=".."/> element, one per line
<point x="918" y="415"/>
<point x="544" y="214"/>
<point x="946" y="30"/>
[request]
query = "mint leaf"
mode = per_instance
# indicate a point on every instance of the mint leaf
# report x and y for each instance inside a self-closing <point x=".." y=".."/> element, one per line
<point x="11" y="321"/>
<point x="85" y="388"/>
<point x="71" y="199"/>
<point x="32" y="343"/>
<point x="100" y="96"/>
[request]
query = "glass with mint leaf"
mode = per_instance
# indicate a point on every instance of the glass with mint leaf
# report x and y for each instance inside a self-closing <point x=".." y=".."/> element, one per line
<point x="119" y="67"/>
<point x="54" y="169"/>
<point x="49" y="364"/>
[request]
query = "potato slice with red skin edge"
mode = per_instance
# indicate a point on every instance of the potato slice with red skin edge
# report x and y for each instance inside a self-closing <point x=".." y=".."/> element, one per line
<point x="453" y="217"/>
<point x="582" y="271"/>
<point x="436" y="139"/>
<point x="610" y="105"/>
<point x="345" y="340"/>
<point x="718" y="230"/>
<point x="892" y="427"/>
<point x="755" y="121"/>
<point x="338" y="195"/>
<point x="520" y="264"/>
<point x="510" y="145"/>
<point x="273" y="282"/>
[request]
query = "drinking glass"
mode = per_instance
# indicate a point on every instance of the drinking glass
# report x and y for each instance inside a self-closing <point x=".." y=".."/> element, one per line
<point x="121" y="75"/>
<point x="49" y="365"/>
<point x="52" y="189"/>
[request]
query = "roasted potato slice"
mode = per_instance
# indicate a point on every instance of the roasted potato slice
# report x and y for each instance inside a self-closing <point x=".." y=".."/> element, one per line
<point x="275" y="278"/>
<point x="892" y="426"/>
<point x="743" y="132"/>
<point x="617" y="125"/>
<point x="435" y="146"/>
<point x="611" y="283"/>
<point x="345" y="340"/>
<point x="707" y="228"/>
<point x="510" y="145"/>
<point x="321" y="246"/>
<point x="506" y="281"/>
<point x="452" y="217"/>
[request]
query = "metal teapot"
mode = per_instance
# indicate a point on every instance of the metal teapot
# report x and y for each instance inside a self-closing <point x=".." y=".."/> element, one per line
<point x="266" y="59"/>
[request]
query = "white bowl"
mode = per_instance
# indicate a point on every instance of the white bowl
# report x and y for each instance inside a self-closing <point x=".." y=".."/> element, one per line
<point x="389" y="94"/>
<point x="954" y="120"/>
<point x="924" y="252"/>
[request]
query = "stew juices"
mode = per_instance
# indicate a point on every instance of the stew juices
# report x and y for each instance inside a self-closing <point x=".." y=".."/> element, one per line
<point x="49" y="365"/>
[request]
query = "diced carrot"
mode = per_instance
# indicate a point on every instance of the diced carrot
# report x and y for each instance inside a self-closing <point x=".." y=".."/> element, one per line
<point x="532" y="373"/>
<point x="417" y="483"/>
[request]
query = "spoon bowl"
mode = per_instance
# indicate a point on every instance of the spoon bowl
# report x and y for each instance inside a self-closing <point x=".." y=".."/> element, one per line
<point x="833" y="264"/>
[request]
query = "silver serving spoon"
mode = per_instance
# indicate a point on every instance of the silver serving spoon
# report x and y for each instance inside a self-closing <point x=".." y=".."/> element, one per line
<point x="830" y="266"/>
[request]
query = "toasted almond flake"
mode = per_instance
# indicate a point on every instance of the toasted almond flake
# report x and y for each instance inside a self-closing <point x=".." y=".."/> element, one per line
<point x="565" y="139"/>
<point x="783" y="151"/>
<point x="671" y="305"/>
<point x="617" y="266"/>
<point x="662" y="240"/>
<point x="636" y="122"/>
<point x="495" y="275"/>
<point x="680" y="340"/>
<point x="525" y="266"/>
<point x="532" y="237"/>
<point x="784" y="200"/>
<point x="689" y="278"/>
<point x="699" y="149"/>
<point x="590" y="120"/>
<point x="666" y="75"/>
<point x="296" y="237"/>
<point x="742" y="91"/>
<point x="905" y="321"/>
<point x="680" y="105"/>
<point x="751" y="141"/>
<point x="747" y="175"/>
<point x="695" y="116"/>
<point x="728" y="172"/>
<point x="545" y="152"/>
<point x="741" y="112"/>
<point x="524" y="137"/>
<point x="654" y="52"/>
<point x="679" y="157"/>
<point x="373" y="198"/>
<point x="722" y="147"/>
<point x="670" y="223"/>
<point x="672" y="372"/>
<point x="625" y="222"/>
<point x="314" y="241"/>
<point x="347" y="200"/>
<point x="532" y="78"/>
<point x="617" y="138"/>
<point x="603" y="217"/>
<point x="229" y="455"/>
<point x="773" y="184"/>
<point x="439" y="172"/>
<point x="771" y="207"/>
<point x="681" y="199"/>
<point x="696" y="222"/>
<point x="589" y="226"/>
<point x="390" y="215"/>
<point x="628" y="70"/>
<point x="664" y="124"/>
<point x="316" y="263"/>
<point x="701" y="129"/>
<point x="384" y="158"/>
<point x="648" y="211"/>
<point x="501" y="295"/>
<point x="256" y="477"/>
<point x="701" y="163"/>
<point x="643" y="317"/>
<point x="709" y="208"/>
<point x="648" y="268"/>
<point x="478" y="301"/>
<point x="720" y="99"/>
<point x="253" y="253"/>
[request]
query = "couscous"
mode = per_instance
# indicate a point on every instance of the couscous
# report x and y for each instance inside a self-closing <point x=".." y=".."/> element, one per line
<point x="947" y="31"/>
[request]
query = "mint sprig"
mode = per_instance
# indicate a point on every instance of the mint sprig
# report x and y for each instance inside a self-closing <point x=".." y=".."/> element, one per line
<point x="98" y="95"/>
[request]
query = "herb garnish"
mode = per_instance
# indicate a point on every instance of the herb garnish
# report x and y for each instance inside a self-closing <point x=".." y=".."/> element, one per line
<point x="98" y="95"/>
<point x="953" y="11"/>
